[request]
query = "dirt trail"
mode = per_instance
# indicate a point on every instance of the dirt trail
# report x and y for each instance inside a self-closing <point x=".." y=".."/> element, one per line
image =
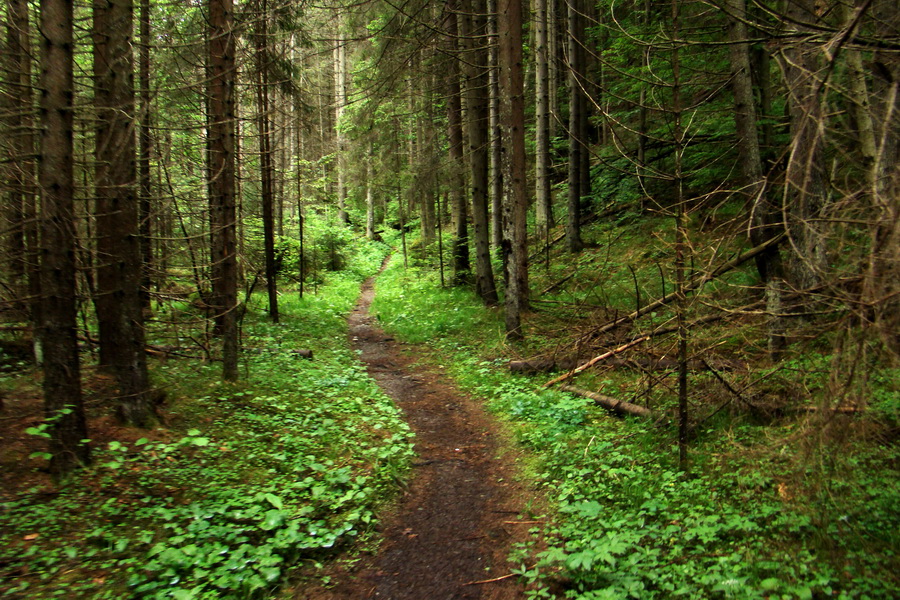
<point x="452" y="528"/>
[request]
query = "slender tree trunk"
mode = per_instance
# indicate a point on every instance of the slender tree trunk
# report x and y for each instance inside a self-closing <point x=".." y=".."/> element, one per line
<point x="553" y="62"/>
<point x="340" y="102"/>
<point x="461" y="266"/>
<point x="512" y="118"/>
<point x="370" y="199"/>
<point x="543" y="198"/>
<point x="264" y="124"/>
<point x="145" y="144"/>
<point x="119" y="264"/>
<point x="764" y="215"/>
<point x="222" y="175"/>
<point x="576" y="119"/>
<point x="681" y="245"/>
<point x="474" y="30"/>
<point x="63" y="403"/>
<point x="643" y="109"/>
<point x="426" y="154"/>
<point x="497" y="172"/>
<point x="17" y="165"/>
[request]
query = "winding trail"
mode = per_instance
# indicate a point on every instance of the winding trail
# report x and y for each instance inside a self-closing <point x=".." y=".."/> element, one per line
<point x="450" y="533"/>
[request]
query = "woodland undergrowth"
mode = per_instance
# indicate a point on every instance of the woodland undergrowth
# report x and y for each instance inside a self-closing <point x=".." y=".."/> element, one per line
<point x="777" y="503"/>
<point x="239" y="484"/>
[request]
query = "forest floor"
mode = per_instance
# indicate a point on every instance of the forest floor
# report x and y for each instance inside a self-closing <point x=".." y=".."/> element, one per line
<point x="449" y="535"/>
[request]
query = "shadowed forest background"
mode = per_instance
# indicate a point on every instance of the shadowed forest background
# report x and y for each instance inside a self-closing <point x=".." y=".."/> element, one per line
<point x="660" y="240"/>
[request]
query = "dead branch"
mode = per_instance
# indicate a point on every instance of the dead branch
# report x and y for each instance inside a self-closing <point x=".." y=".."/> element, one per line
<point x="693" y="285"/>
<point x="597" y="359"/>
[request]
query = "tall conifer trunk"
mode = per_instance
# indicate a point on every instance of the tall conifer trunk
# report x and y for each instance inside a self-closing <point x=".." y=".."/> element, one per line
<point x="543" y="200"/>
<point x="62" y="376"/>
<point x="473" y="30"/>
<point x="461" y="266"/>
<point x="577" y="129"/>
<point x="119" y="265"/>
<point x="145" y="143"/>
<point x="221" y="69"/>
<point x="266" y="167"/>
<point x="512" y="120"/>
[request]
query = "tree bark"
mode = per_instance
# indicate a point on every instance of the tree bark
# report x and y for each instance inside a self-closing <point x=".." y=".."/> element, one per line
<point x="512" y="120"/>
<point x="63" y="403"/>
<point x="222" y="176"/>
<point x="119" y="264"/>
<point x="461" y="266"/>
<point x="497" y="170"/>
<point x="763" y="215"/>
<point x="370" y="199"/>
<point x="473" y="31"/>
<point x="340" y="103"/>
<point x="145" y="144"/>
<point x="18" y="162"/>
<point x="577" y="119"/>
<point x="543" y="198"/>
<point x="266" y="170"/>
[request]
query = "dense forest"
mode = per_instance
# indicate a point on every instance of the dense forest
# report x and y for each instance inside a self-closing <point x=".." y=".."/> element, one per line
<point x="658" y="241"/>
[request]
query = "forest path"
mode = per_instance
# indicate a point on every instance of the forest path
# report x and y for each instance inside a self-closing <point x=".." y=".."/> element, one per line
<point x="451" y="531"/>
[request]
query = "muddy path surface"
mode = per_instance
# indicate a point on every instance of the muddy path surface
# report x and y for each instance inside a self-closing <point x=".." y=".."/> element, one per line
<point x="449" y="535"/>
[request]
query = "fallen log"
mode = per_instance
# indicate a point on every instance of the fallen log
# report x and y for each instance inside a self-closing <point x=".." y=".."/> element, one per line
<point x="610" y="403"/>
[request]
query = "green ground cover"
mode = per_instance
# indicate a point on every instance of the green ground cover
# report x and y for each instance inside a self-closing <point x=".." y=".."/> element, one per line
<point x="245" y="482"/>
<point x="771" y="508"/>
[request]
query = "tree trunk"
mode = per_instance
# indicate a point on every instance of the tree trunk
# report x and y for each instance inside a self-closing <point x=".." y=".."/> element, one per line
<point x="461" y="266"/>
<point x="145" y="143"/>
<point x="497" y="171"/>
<point x="681" y="243"/>
<point x="764" y="215"/>
<point x="577" y="106"/>
<point x="543" y="198"/>
<point x="512" y="120"/>
<point x="222" y="176"/>
<point x="18" y="163"/>
<point x="340" y="103"/>
<point x="119" y="264"/>
<point x="476" y="70"/>
<point x="370" y="199"/>
<point x="63" y="403"/>
<point x="266" y="170"/>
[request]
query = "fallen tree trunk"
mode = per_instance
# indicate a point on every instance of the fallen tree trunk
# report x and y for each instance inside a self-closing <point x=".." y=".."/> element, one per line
<point x="610" y="403"/>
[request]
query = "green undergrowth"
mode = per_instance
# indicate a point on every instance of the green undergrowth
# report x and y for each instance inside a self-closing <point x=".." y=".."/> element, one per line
<point x="767" y="511"/>
<point x="247" y="481"/>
